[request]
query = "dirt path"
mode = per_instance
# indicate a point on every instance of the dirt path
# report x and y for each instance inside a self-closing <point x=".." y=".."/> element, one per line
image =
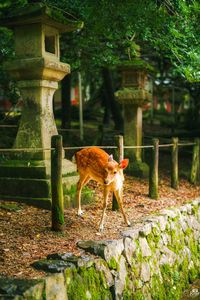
<point x="25" y="234"/>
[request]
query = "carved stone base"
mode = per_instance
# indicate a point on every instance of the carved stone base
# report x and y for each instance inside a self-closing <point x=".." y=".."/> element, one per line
<point x="29" y="181"/>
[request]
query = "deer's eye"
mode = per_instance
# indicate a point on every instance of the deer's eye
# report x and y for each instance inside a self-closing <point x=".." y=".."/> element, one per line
<point x="115" y="172"/>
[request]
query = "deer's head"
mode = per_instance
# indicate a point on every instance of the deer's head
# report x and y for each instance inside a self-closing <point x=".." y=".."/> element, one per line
<point x="113" y="169"/>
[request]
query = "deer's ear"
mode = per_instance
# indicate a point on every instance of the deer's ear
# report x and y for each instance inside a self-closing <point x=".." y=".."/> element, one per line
<point x="110" y="158"/>
<point x="124" y="163"/>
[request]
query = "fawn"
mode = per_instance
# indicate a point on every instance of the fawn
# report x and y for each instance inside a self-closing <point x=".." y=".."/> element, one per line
<point x="94" y="163"/>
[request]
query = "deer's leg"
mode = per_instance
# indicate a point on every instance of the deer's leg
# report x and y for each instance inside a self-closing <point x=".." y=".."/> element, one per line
<point x="82" y="181"/>
<point x="118" y="195"/>
<point x="105" y="202"/>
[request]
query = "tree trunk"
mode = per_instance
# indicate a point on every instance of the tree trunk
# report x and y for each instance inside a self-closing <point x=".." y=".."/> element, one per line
<point x="114" y="106"/>
<point x="66" y="101"/>
<point x="106" y="104"/>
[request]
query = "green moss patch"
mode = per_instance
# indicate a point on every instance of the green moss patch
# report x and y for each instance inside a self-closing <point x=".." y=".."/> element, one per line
<point x="86" y="283"/>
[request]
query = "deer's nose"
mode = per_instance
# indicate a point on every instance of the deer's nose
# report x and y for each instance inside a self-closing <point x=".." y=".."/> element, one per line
<point x="106" y="181"/>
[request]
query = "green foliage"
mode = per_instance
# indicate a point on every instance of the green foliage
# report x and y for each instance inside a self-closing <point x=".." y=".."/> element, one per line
<point x="6" y="52"/>
<point x="7" y="48"/>
<point x="7" y="5"/>
<point x="178" y="36"/>
<point x="112" y="30"/>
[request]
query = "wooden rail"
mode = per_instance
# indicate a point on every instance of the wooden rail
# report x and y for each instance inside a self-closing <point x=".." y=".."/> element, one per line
<point x="56" y="168"/>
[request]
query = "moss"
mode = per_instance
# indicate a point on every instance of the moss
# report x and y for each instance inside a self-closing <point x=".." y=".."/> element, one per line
<point x="157" y="236"/>
<point x="136" y="64"/>
<point x="128" y="290"/>
<point x="127" y="295"/>
<point x="184" y="265"/>
<point x="170" y="288"/>
<point x="175" y="280"/>
<point x="169" y="284"/>
<point x="135" y="269"/>
<point x="139" y="295"/>
<point x="153" y="238"/>
<point x="133" y="96"/>
<point x="70" y="174"/>
<point x="139" y="169"/>
<point x="58" y="215"/>
<point x="113" y="264"/>
<point x="188" y="231"/>
<point x="138" y="283"/>
<point x="86" y="283"/>
<point x="193" y="274"/>
<point x="156" y="231"/>
<point x="195" y="210"/>
<point x="40" y="9"/>
<point x="177" y="241"/>
<point x="194" y="271"/>
<point x="152" y="241"/>
<point x="157" y="288"/>
<point x="138" y="253"/>
<point x="194" y="248"/>
<point x="10" y="207"/>
<point x="87" y="195"/>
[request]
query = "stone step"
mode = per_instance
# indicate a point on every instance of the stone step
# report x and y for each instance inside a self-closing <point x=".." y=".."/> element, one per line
<point x="36" y="192"/>
<point x="44" y="203"/>
<point x="29" y="181"/>
<point x="25" y="187"/>
<point x="23" y="171"/>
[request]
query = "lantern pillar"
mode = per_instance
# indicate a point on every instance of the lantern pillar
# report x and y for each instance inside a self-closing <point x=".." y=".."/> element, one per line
<point x="133" y="95"/>
<point x="25" y="175"/>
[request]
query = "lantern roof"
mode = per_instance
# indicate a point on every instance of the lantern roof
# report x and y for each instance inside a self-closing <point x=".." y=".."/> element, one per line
<point x="137" y="64"/>
<point x="41" y="13"/>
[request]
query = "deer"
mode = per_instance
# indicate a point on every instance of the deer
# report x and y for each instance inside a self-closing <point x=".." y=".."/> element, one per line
<point x="94" y="163"/>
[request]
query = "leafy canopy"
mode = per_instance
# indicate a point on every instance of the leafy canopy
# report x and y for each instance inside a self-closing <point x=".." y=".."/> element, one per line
<point x="113" y="29"/>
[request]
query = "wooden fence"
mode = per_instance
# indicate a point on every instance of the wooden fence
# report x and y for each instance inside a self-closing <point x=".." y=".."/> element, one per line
<point x="119" y="147"/>
<point x="153" y="174"/>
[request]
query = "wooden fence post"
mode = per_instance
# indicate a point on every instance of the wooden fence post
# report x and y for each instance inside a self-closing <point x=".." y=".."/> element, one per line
<point x="119" y="154"/>
<point x="153" y="172"/>
<point x="174" y="164"/>
<point x="56" y="183"/>
<point x="194" y="174"/>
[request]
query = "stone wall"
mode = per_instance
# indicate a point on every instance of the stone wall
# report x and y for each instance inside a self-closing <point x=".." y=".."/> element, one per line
<point x="156" y="259"/>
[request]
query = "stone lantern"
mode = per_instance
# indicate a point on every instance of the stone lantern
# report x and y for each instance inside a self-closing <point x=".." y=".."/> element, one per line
<point x="37" y="70"/>
<point x="133" y="95"/>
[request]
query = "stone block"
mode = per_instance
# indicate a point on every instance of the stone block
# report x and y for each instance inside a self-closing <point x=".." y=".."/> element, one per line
<point x="145" y="274"/>
<point x="56" y="287"/>
<point x="21" y="289"/>
<point x="129" y="249"/>
<point x="144" y="246"/>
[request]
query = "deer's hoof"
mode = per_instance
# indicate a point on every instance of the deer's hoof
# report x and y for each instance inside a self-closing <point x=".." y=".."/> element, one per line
<point x="101" y="228"/>
<point x="129" y="224"/>
<point x="80" y="213"/>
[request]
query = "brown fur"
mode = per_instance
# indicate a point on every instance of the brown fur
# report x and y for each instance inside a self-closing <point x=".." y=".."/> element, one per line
<point x="94" y="163"/>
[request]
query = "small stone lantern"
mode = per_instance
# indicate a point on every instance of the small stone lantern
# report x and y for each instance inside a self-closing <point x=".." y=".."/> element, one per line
<point x="133" y="95"/>
<point x="37" y="70"/>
